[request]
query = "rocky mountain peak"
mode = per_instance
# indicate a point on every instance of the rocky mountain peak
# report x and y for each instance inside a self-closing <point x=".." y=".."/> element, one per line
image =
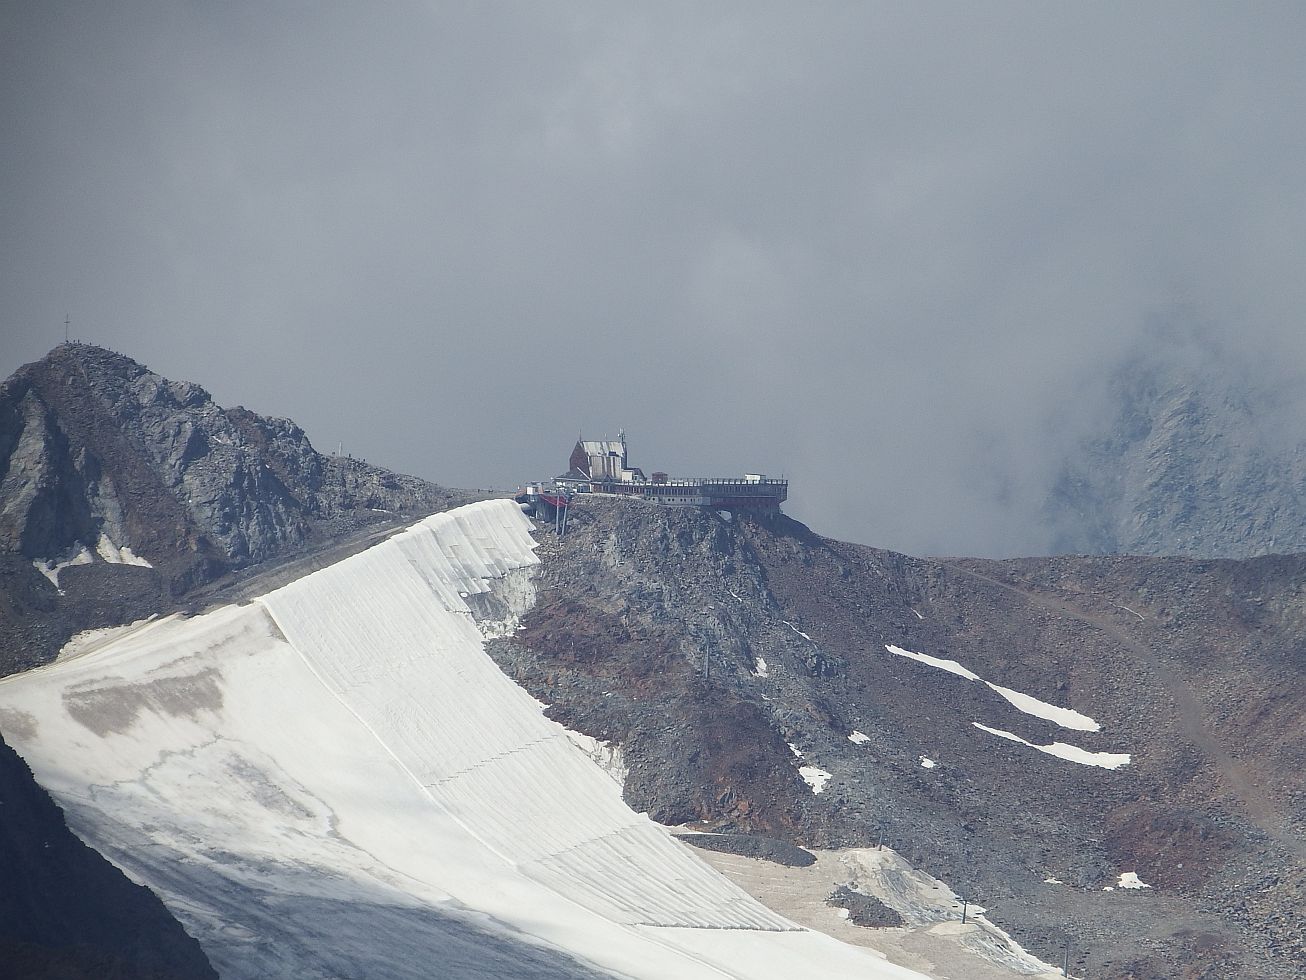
<point x="103" y="461"/>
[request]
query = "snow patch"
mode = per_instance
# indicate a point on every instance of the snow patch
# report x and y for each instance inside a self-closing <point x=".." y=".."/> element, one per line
<point x="798" y="631"/>
<point x="795" y="750"/>
<point x="78" y="554"/>
<point x="513" y="596"/>
<point x="114" y="555"/>
<point x="1071" y="753"/>
<point x="1065" y="717"/>
<point x="606" y="755"/>
<point x="759" y="668"/>
<point x="951" y="666"/>
<point x="927" y="762"/>
<point x="859" y="738"/>
<point x="814" y="777"/>
<point x="1130" y="879"/>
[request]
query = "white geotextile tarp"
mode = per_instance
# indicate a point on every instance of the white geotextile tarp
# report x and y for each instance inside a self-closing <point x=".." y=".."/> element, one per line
<point x="336" y="780"/>
<point x="477" y="742"/>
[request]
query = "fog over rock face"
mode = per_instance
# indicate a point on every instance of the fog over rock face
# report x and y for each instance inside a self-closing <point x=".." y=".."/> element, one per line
<point x="1193" y="457"/>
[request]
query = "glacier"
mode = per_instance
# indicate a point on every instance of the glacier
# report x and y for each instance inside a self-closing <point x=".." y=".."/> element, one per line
<point x="335" y="780"/>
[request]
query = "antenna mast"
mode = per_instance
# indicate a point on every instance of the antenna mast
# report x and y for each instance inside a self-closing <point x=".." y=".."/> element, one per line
<point x="66" y="321"/>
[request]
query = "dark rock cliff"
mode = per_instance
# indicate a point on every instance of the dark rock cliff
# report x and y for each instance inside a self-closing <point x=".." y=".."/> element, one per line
<point x="66" y="912"/>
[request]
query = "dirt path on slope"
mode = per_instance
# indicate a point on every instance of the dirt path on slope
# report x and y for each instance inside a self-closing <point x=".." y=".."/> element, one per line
<point x="1232" y="775"/>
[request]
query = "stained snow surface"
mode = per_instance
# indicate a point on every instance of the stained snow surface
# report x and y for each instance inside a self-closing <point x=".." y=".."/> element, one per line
<point x="335" y="780"/>
<point x="111" y="553"/>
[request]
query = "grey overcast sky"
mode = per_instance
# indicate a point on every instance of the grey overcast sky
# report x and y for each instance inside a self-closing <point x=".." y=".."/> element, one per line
<point x="889" y="250"/>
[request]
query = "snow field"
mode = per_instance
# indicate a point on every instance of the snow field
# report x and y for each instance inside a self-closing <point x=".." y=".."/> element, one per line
<point x="487" y="754"/>
<point x="335" y="780"/>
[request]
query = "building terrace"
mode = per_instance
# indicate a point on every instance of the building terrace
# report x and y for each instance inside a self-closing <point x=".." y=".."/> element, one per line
<point x="604" y="467"/>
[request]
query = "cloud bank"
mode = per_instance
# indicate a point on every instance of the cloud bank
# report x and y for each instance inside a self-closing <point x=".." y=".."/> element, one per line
<point x="890" y="251"/>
